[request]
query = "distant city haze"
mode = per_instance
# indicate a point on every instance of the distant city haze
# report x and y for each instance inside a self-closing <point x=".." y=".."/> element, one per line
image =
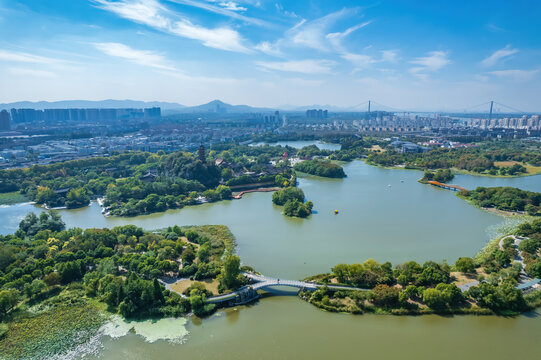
<point x="411" y="56"/>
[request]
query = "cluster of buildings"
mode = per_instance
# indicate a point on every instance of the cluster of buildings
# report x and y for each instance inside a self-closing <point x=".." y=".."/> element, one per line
<point x="522" y="123"/>
<point x="406" y="147"/>
<point x="317" y="114"/>
<point x="442" y="143"/>
<point x="27" y="151"/>
<point x="404" y="124"/>
<point x="19" y="116"/>
<point x="416" y="123"/>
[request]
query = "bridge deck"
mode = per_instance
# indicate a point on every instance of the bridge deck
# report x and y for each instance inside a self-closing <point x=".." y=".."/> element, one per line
<point x="447" y="186"/>
<point x="262" y="282"/>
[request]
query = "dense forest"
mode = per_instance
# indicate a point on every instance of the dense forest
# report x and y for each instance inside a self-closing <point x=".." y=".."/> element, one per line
<point x="65" y="281"/>
<point x="505" y="198"/>
<point x="118" y="266"/>
<point x="136" y="183"/>
<point x="479" y="159"/>
<point x="323" y="168"/>
<point x="411" y="288"/>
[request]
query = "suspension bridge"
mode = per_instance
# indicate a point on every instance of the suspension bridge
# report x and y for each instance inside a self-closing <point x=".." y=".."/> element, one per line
<point x="488" y="109"/>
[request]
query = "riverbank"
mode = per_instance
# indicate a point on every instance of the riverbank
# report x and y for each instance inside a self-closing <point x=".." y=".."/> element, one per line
<point x="458" y="171"/>
<point x="53" y="327"/>
<point x="533" y="170"/>
<point x="483" y="285"/>
<point x="12" y="198"/>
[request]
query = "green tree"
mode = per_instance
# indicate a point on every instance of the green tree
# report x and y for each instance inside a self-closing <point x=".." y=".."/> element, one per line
<point x="8" y="299"/>
<point x="465" y="265"/>
<point x="188" y="256"/>
<point x="434" y="299"/>
<point x="384" y="295"/>
<point x="230" y="272"/>
<point x="227" y="174"/>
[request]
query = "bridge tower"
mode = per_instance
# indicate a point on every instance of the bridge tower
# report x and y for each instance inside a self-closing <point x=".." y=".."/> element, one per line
<point x="369" y="106"/>
<point x="490" y="114"/>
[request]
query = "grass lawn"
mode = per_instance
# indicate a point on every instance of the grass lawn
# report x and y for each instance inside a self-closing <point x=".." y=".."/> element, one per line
<point x="12" y="198"/>
<point x="530" y="169"/>
<point x="461" y="278"/>
<point x="210" y="285"/>
<point x="377" y="148"/>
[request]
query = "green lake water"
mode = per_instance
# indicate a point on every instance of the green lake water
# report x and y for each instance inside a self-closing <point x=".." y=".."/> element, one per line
<point x="383" y="214"/>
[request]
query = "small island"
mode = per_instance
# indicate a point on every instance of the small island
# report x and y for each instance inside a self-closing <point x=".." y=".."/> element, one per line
<point x="292" y="199"/>
<point x="322" y="168"/>
<point x="440" y="175"/>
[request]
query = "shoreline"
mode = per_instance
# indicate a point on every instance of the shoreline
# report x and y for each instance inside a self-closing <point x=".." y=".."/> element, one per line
<point x="455" y="170"/>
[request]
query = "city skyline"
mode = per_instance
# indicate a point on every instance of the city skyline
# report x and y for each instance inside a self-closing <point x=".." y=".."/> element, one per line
<point x="272" y="54"/>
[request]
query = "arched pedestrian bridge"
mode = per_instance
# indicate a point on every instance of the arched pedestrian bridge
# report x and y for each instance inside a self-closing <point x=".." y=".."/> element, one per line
<point x="249" y="293"/>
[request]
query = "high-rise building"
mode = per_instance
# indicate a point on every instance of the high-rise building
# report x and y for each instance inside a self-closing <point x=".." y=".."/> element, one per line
<point x="317" y="114"/>
<point x="154" y="112"/>
<point x="4" y="120"/>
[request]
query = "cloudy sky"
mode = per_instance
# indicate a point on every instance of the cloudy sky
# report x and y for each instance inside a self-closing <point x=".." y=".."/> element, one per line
<point x="412" y="55"/>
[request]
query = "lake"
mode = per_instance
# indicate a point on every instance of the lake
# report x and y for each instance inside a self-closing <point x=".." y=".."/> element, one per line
<point x="384" y="214"/>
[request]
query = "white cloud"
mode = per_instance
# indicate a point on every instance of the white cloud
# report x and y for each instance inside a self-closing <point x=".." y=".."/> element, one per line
<point x="219" y="38"/>
<point x="498" y="55"/>
<point x="360" y="61"/>
<point x="341" y="35"/>
<point x="141" y="57"/>
<point x="515" y="75"/>
<point x="154" y="14"/>
<point x="269" y="48"/>
<point x="31" y="72"/>
<point x="226" y="8"/>
<point x="313" y="34"/>
<point x="309" y="66"/>
<point x="435" y="61"/>
<point x="20" y="57"/>
<point x="280" y="9"/>
<point x="233" y="6"/>
<point x="389" y="56"/>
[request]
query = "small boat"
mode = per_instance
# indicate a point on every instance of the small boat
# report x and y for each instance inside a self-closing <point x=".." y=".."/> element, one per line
<point x="335" y="212"/>
<point x="389" y="185"/>
<point x="401" y="180"/>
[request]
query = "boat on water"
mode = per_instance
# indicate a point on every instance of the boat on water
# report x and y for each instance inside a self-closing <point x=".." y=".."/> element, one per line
<point x="335" y="211"/>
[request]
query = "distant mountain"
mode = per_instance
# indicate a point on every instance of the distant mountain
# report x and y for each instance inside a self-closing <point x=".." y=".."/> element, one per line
<point x="87" y="104"/>
<point x="217" y="107"/>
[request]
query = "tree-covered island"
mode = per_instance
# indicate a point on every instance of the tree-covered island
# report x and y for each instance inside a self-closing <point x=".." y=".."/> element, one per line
<point x="57" y="284"/>
<point x="292" y="199"/>
<point x="320" y="168"/>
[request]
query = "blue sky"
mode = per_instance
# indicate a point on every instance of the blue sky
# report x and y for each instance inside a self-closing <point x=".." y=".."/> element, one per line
<point x="423" y="55"/>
